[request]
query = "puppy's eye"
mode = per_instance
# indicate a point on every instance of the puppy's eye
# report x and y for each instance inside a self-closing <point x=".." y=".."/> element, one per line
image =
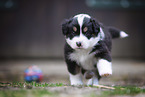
<point x="85" y="29"/>
<point x="74" y="28"/>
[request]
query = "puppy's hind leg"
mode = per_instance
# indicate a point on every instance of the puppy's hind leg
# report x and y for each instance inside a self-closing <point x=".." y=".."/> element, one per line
<point x="95" y="79"/>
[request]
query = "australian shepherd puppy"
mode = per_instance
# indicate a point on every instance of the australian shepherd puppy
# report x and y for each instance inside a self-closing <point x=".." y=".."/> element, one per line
<point x="88" y="48"/>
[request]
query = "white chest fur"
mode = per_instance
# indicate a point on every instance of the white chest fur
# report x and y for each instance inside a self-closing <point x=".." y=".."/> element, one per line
<point x="83" y="58"/>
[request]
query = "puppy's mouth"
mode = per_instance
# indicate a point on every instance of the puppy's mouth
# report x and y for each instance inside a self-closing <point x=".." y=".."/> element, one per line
<point x="79" y="48"/>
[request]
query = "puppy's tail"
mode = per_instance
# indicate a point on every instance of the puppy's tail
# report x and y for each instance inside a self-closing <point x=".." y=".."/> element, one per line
<point x="116" y="33"/>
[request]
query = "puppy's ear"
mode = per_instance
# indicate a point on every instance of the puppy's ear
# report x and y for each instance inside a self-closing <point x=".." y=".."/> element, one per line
<point x="65" y="25"/>
<point x="95" y="26"/>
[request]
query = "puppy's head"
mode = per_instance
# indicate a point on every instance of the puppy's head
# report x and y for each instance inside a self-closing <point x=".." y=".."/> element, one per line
<point x="81" y="31"/>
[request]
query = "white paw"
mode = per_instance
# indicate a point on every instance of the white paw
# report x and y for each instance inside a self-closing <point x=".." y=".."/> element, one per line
<point x="93" y="81"/>
<point x="76" y="80"/>
<point x="104" y="67"/>
<point x="77" y="83"/>
<point x="105" y="74"/>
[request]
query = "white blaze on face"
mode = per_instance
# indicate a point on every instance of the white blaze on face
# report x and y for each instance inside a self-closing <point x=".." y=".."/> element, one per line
<point x="85" y="42"/>
<point x="81" y="19"/>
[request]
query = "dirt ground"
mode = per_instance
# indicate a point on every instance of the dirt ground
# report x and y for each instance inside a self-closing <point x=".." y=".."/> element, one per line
<point x="125" y="72"/>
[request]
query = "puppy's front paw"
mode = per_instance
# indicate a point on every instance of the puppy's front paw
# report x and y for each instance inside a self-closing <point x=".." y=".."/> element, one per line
<point x="104" y="72"/>
<point x="76" y="80"/>
<point x="79" y="83"/>
<point x="105" y="75"/>
<point x="104" y="68"/>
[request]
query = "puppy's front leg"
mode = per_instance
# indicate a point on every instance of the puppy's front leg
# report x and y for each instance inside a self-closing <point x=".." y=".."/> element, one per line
<point x="74" y="73"/>
<point x="76" y="79"/>
<point x="104" y="67"/>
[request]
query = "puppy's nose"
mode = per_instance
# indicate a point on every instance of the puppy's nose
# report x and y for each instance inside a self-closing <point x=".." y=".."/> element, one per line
<point x="79" y="44"/>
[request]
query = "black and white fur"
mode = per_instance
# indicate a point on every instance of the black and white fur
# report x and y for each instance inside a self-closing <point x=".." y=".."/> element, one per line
<point x="88" y="48"/>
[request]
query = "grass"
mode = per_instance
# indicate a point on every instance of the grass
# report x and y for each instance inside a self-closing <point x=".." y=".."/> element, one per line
<point x="24" y="89"/>
<point x="32" y="84"/>
<point x="27" y="93"/>
<point x="119" y="90"/>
